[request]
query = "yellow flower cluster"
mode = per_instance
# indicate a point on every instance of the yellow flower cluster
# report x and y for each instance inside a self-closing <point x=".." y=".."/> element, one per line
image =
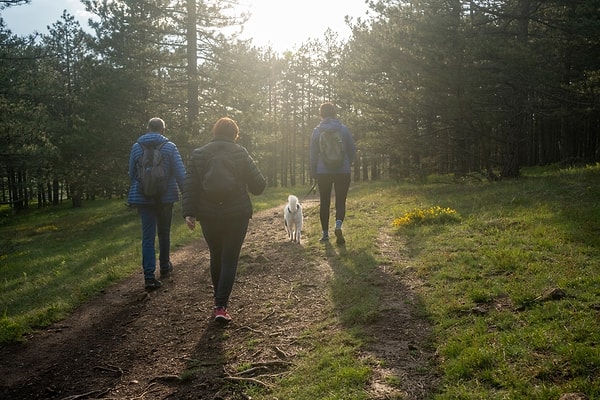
<point x="424" y="216"/>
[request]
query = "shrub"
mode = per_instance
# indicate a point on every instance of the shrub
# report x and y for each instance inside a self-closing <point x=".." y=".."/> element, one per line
<point x="427" y="216"/>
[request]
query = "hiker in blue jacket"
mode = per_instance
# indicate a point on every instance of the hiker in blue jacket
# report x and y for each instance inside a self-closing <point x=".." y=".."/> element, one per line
<point x="327" y="176"/>
<point x="156" y="212"/>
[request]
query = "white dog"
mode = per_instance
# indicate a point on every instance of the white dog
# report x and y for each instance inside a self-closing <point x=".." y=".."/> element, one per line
<point x="292" y="218"/>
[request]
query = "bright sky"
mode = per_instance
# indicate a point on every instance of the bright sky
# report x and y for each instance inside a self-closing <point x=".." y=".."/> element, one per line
<point x="282" y="24"/>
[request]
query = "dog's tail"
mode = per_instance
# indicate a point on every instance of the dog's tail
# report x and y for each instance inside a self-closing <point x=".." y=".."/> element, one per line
<point x="293" y="201"/>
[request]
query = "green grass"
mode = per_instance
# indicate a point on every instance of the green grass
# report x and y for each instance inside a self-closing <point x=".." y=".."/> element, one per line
<point x="329" y="370"/>
<point x="53" y="259"/>
<point x="517" y="239"/>
<point x="484" y="274"/>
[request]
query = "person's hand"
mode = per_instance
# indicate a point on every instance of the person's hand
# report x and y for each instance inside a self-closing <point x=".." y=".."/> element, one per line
<point x="191" y="222"/>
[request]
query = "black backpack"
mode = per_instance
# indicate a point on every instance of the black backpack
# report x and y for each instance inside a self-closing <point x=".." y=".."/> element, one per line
<point x="331" y="148"/>
<point x="220" y="181"/>
<point x="152" y="170"/>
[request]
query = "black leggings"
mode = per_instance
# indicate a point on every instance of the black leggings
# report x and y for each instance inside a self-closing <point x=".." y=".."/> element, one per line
<point x="341" y="184"/>
<point x="224" y="238"/>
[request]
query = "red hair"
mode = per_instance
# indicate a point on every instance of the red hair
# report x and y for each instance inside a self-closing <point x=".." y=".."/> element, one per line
<point x="226" y="128"/>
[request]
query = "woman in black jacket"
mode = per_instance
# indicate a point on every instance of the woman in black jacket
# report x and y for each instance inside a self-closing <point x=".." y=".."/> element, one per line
<point x="216" y="194"/>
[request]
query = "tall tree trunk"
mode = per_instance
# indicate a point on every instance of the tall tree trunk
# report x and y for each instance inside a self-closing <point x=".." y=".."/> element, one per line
<point x="457" y="87"/>
<point x="192" y="64"/>
<point x="516" y="130"/>
<point x="55" y="190"/>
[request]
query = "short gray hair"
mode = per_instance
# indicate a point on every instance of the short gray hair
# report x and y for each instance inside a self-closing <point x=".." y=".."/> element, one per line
<point x="156" y="125"/>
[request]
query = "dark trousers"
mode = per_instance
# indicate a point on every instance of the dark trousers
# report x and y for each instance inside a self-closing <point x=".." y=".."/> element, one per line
<point x="224" y="239"/>
<point x="340" y="183"/>
<point x="156" y="218"/>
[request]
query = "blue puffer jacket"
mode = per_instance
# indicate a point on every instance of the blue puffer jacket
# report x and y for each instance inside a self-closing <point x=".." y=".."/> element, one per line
<point x="316" y="164"/>
<point x="176" y="170"/>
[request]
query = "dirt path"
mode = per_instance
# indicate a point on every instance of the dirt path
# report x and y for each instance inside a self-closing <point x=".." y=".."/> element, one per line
<point x="127" y="344"/>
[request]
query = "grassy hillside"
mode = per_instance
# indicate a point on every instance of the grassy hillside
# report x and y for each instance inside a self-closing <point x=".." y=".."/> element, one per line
<point x="509" y="270"/>
<point x="513" y="288"/>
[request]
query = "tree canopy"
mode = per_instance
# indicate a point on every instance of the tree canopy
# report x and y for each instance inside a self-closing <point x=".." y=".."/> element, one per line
<point x="426" y="87"/>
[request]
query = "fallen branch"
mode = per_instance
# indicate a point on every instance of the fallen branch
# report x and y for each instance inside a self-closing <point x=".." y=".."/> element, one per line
<point x="86" y="395"/>
<point x="147" y="390"/>
<point x="109" y="368"/>
<point x="272" y="363"/>
<point x="251" y="370"/>
<point x="280" y="353"/>
<point x="268" y="316"/>
<point x="246" y="380"/>
<point x="249" y="329"/>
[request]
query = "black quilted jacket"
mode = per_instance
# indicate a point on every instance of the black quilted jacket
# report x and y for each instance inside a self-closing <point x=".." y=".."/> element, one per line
<point x="195" y="204"/>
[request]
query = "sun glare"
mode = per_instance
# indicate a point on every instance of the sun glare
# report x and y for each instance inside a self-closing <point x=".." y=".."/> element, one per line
<point x="286" y="24"/>
<point x="281" y="24"/>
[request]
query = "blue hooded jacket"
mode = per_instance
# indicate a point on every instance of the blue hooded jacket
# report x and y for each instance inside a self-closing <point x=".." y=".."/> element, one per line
<point x="317" y="166"/>
<point x="175" y="167"/>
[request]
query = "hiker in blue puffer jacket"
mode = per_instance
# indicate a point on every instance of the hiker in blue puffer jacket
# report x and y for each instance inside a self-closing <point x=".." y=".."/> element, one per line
<point x="156" y="213"/>
<point x="328" y="176"/>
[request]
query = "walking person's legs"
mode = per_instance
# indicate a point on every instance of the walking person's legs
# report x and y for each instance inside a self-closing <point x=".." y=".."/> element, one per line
<point x="225" y="240"/>
<point x="163" y="222"/>
<point x="342" y="185"/>
<point x="213" y="233"/>
<point x="232" y="246"/>
<point x="325" y="182"/>
<point x="148" y="215"/>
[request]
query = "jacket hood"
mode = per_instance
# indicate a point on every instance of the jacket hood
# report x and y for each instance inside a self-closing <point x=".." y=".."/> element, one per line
<point x="330" y="123"/>
<point x="152" y="138"/>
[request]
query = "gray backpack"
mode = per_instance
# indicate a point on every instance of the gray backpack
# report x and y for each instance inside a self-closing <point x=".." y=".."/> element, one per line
<point x="220" y="181"/>
<point x="331" y="148"/>
<point x="152" y="168"/>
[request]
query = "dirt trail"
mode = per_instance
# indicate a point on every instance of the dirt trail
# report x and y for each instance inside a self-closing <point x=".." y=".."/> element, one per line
<point x="127" y="344"/>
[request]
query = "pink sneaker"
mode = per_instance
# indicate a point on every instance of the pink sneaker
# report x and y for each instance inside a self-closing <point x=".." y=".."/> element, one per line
<point x="221" y="314"/>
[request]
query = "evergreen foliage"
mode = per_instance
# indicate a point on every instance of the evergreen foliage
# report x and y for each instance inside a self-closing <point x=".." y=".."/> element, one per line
<point x="426" y="86"/>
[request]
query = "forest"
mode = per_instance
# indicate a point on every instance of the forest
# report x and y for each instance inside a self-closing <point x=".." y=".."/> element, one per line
<point x="476" y="88"/>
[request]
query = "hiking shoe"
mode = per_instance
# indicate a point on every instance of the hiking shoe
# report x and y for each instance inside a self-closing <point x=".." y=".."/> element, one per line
<point x="221" y="315"/>
<point x="324" y="238"/>
<point x="166" y="272"/>
<point x="339" y="237"/>
<point x="152" y="284"/>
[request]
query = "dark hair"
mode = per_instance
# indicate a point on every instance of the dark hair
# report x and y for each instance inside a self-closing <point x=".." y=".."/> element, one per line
<point x="156" y="125"/>
<point x="226" y="128"/>
<point x="327" y="110"/>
